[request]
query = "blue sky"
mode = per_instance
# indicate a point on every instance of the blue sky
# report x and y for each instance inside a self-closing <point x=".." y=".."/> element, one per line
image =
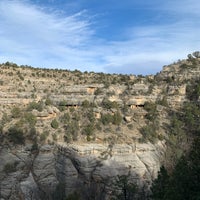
<point x="129" y="37"/>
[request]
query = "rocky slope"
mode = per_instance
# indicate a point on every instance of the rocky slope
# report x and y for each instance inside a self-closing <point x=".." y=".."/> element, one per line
<point x="66" y="132"/>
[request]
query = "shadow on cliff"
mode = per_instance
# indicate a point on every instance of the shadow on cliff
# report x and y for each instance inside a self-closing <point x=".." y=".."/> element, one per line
<point x="94" y="178"/>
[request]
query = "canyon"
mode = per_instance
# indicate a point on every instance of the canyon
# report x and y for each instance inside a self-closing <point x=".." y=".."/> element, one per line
<point x="74" y="133"/>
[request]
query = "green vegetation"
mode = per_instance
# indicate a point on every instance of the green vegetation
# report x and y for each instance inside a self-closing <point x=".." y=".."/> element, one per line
<point x="106" y="118"/>
<point x="109" y="104"/>
<point x="73" y="196"/>
<point x="193" y="90"/>
<point x="88" y="130"/>
<point x="54" y="124"/>
<point x="151" y="108"/>
<point x="191" y="118"/>
<point x="183" y="183"/>
<point x="48" y="102"/>
<point x="149" y="133"/>
<point x="160" y="185"/>
<point x="16" y="135"/>
<point x="16" y="112"/>
<point x="10" y="167"/>
<point x="182" y="180"/>
<point x="65" y="118"/>
<point x="62" y="105"/>
<point x="30" y="119"/>
<point x="20" y="76"/>
<point x="71" y="131"/>
<point x="34" y="148"/>
<point x="35" y="106"/>
<point x="59" y="193"/>
<point x="124" y="188"/>
<point x="163" y="102"/>
<point x="44" y="136"/>
<point x="98" y="91"/>
<point x="117" y="118"/>
<point x="86" y="104"/>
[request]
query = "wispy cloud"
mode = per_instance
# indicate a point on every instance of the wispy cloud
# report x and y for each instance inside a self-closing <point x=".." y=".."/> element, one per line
<point x="34" y="35"/>
<point x="30" y="34"/>
<point x="149" y="47"/>
<point x="184" y="7"/>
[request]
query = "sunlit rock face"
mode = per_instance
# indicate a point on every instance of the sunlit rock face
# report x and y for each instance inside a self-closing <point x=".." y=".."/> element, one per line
<point x="71" y="167"/>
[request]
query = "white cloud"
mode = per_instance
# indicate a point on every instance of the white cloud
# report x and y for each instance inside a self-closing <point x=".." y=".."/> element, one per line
<point x="41" y="38"/>
<point x="184" y="7"/>
<point x="35" y="36"/>
<point x="149" y="47"/>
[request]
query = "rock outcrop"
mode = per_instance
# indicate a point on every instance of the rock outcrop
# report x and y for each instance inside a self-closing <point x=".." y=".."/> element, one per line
<point x="37" y="177"/>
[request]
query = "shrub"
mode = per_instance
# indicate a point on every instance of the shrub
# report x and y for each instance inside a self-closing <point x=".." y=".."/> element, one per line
<point x="67" y="138"/>
<point x="44" y="136"/>
<point x="4" y="119"/>
<point x="149" y="133"/>
<point x="196" y="54"/>
<point x="76" y="117"/>
<point x="10" y="167"/>
<point x="72" y="109"/>
<point x="98" y="91"/>
<point x="191" y="118"/>
<point x="16" y="112"/>
<point x="193" y="90"/>
<point x="184" y="66"/>
<point x="88" y="130"/>
<point x="125" y="108"/>
<point x="163" y="102"/>
<point x="85" y="104"/>
<point x="90" y="115"/>
<point x="1" y="129"/>
<point x="152" y="111"/>
<point x="1" y="82"/>
<point x="20" y="76"/>
<point x="106" y="118"/>
<point x="62" y="103"/>
<point x="65" y="118"/>
<point x="32" y="134"/>
<point x="98" y="126"/>
<point x="16" y="135"/>
<point x="54" y="124"/>
<point x="73" y="196"/>
<point x="117" y="118"/>
<point x="48" y="102"/>
<point x="34" y="147"/>
<point x="72" y="130"/>
<point x="107" y="104"/>
<point x="30" y="118"/>
<point x="130" y="126"/>
<point x="54" y="136"/>
<point x="89" y="138"/>
<point x="34" y="105"/>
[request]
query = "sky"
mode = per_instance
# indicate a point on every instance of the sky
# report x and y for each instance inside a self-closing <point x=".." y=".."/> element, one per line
<point x="111" y="36"/>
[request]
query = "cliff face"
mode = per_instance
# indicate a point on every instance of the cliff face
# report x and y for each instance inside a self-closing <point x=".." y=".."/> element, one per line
<point x="65" y="132"/>
<point x="36" y="175"/>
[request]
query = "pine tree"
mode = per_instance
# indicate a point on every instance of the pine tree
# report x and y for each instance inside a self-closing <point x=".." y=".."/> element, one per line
<point x="160" y="185"/>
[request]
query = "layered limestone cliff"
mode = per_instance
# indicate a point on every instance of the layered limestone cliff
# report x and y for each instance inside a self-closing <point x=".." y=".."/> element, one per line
<point x="37" y="175"/>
